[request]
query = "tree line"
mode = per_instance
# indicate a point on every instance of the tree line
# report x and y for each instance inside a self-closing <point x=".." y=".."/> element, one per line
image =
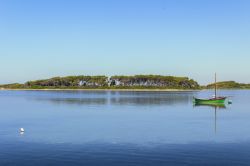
<point x="229" y="85"/>
<point x="123" y="82"/>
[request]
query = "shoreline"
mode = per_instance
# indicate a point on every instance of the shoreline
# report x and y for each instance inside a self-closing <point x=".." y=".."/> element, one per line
<point x="125" y="90"/>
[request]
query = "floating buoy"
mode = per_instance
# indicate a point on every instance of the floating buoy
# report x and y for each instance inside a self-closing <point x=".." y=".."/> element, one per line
<point x="21" y="130"/>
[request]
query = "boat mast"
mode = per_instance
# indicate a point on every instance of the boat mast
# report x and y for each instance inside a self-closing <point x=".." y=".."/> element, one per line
<point x="215" y="87"/>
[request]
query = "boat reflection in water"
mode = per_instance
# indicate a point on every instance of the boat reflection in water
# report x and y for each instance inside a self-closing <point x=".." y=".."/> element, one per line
<point x="212" y="105"/>
<point x="216" y="107"/>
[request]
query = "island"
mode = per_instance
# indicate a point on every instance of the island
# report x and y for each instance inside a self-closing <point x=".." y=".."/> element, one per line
<point x="121" y="82"/>
<point x="139" y="82"/>
<point x="228" y="85"/>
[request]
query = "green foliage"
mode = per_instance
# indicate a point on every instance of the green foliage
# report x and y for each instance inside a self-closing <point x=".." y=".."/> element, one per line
<point x="155" y="81"/>
<point x="229" y="85"/>
<point x="102" y="82"/>
<point x="70" y="81"/>
<point x="12" y="86"/>
<point x="126" y="82"/>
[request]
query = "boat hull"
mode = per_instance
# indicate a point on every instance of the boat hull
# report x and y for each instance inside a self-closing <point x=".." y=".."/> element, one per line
<point x="220" y="100"/>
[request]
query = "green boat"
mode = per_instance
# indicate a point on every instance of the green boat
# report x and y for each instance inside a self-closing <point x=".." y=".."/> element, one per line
<point x="213" y="100"/>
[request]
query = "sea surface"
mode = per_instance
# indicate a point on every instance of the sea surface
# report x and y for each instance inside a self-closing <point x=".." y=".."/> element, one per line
<point x="123" y="128"/>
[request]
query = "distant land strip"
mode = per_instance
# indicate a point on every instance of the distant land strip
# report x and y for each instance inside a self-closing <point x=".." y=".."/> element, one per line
<point x="133" y="83"/>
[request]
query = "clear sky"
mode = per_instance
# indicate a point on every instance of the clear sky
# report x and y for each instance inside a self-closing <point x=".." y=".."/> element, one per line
<point x="194" y="38"/>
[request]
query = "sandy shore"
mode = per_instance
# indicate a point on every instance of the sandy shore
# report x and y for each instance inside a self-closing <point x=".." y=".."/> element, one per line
<point x="126" y="90"/>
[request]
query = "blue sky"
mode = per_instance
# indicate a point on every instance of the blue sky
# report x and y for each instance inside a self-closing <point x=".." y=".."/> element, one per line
<point x="46" y="38"/>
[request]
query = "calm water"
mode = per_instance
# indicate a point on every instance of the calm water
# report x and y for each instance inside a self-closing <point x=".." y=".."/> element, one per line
<point x="122" y="128"/>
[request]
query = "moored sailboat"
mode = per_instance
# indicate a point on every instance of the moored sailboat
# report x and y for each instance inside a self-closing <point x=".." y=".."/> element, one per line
<point x="214" y="100"/>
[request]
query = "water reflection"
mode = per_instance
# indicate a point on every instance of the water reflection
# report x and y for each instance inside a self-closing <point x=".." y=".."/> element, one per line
<point x="151" y="100"/>
<point x="76" y="101"/>
<point x="118" y="98"/>
<point x="214" y="107"/>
